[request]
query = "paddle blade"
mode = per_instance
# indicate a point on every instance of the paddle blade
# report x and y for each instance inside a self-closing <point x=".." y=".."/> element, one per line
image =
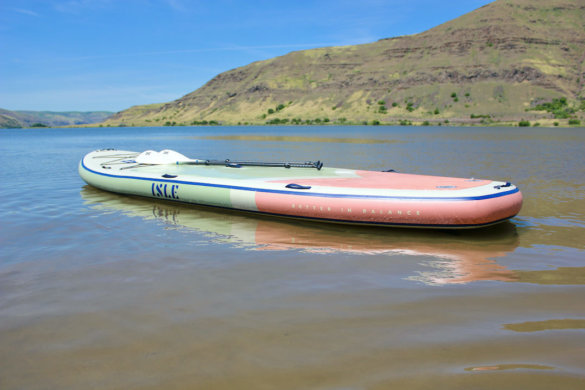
<point x="166" y="156"/>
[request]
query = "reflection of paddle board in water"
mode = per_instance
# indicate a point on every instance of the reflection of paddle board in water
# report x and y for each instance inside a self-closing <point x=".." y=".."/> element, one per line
<point x="453" y="257"/>
<point x="305" y="190"/>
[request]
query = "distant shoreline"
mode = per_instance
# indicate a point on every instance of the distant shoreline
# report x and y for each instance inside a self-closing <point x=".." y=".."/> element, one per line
<point x="475" y="125"/>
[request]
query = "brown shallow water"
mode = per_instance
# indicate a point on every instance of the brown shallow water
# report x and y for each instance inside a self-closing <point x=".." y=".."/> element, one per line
<point x="104" y="291"/>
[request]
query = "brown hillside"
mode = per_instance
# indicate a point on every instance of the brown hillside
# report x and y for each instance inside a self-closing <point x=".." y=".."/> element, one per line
<point x="496" y="61"/>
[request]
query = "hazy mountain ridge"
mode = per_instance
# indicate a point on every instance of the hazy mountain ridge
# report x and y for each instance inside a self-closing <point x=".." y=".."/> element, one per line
<point x="18" y="119"/>
<point x="492" y="64"/>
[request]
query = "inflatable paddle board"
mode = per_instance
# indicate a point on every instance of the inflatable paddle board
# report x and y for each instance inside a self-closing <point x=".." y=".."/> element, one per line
<point x="306" y="190"/>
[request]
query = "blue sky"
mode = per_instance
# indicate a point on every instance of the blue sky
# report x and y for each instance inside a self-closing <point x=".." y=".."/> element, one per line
<point x="90" y="55"/>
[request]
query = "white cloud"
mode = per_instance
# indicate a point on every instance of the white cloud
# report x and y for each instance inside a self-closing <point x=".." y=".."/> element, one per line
<point x="26" y="12"/>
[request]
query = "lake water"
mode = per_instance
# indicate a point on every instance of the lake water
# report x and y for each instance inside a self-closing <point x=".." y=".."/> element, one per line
<point x="100" y="291"/>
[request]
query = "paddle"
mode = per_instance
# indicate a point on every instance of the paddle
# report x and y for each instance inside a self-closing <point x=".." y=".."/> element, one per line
<point x="165" y="157"/>
<point x="238" y="164"/>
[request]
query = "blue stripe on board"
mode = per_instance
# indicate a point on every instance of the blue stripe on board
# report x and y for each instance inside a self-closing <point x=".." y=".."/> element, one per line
<point x="283" y="192"/>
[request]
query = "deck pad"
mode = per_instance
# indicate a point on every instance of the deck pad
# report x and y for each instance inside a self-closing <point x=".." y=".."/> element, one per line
<point x="396" y="181"/>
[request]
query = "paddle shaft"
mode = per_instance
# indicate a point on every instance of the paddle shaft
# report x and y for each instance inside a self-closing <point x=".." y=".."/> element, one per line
<point x="236" y="164"/>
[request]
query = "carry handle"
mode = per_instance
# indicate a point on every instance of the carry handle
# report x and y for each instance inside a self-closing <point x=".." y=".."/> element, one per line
<point x="295" y="186"/>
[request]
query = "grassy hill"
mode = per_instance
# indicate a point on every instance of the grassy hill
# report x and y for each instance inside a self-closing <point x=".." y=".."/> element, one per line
<point x="18" y="119"/>
<point x="505" y="62"/>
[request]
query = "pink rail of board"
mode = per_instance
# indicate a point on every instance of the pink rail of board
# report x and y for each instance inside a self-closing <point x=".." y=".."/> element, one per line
<point x="443" y="207"/>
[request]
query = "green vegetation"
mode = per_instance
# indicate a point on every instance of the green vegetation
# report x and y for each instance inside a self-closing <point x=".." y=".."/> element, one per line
<point x="558" y="107"/>
<point x="194" y="123"/>
<point x="277" y="121"/>
<point x="278" y="108"/>
<point x="524" y="123"/>
<point x="561" y="109"/>
<point x="410" y="106"/>
<point x="299" y="121"/>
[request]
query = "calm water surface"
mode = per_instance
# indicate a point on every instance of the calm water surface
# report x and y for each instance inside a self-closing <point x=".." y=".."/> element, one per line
<point x="111" y="292"/>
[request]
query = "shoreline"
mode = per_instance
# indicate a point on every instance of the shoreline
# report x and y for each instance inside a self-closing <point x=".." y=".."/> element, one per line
<point x="458" y="122"/>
